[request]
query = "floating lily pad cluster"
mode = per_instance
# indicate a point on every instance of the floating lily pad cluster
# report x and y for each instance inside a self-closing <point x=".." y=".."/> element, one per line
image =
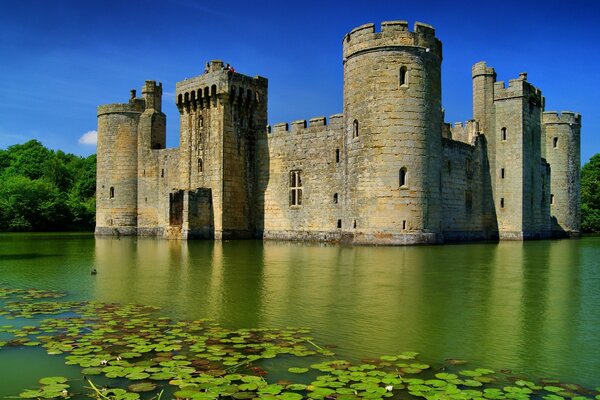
<point x="138" y="352"/>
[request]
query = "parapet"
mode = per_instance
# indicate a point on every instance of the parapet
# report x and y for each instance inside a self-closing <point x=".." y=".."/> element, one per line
<point x="392" y="34"/>
<point x="564" y="117"/>
<point x="517" y="88"/>
<point x="135" y="106"/>
<point x="314" y="125"/>
<point x="481" y="68"/>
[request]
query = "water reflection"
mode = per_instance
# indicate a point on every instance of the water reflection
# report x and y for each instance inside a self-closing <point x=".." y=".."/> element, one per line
<point x="520" y="306"/>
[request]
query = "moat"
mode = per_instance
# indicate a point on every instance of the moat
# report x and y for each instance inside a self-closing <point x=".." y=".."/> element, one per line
<point x="529" y="307"/>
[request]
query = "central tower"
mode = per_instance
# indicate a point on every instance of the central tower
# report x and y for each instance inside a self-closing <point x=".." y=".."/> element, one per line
<point x="392" y="133"/>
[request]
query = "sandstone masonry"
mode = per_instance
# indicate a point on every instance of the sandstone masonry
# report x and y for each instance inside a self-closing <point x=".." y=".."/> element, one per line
<point x="388" y="170"/>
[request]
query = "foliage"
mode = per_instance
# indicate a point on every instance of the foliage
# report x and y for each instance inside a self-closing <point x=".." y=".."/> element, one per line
<point x="43" y="190"/>
<point x="590" y="195"/>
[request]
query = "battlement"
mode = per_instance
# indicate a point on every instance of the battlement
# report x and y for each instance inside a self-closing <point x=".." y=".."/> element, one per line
<point x="393" y="34"/>
<point x="302" y="126"/>
<point x="219" y="82"/>
<point x="564" y="117"/>
<point x="517" y="88"/>
<point x="481" y="68"/>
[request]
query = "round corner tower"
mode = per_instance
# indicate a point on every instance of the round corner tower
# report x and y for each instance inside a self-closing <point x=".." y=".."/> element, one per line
<point x="562" y="133"/>
<point x="116" y="171"/>
<point x="392" y="133"/>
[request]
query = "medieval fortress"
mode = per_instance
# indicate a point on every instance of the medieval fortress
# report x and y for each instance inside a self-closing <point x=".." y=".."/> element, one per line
<point x="388" y="170"/>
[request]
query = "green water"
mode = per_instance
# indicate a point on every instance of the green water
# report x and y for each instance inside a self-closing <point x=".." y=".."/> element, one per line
<point x="533" y="307"/>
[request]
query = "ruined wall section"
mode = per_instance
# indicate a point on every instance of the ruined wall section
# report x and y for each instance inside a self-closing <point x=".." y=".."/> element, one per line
<point x="464" y="132"/>
<point x="116" y="173"/>
<point x="562" y="132"/>
<point x="393" y="133"/>
<point x="313" y="153"/>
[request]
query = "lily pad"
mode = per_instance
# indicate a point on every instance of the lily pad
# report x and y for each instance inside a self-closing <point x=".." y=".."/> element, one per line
<point x="296" y="370"/>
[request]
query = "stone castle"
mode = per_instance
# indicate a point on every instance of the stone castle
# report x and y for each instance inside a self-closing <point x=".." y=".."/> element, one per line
<point x="388" y="170"/>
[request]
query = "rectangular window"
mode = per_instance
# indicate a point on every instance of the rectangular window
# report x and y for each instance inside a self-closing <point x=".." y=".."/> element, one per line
<point x="502" y="173"/>
<point x="295" y="188"/>
<point x="468" y="200"/>
<point x="337" y="155"/>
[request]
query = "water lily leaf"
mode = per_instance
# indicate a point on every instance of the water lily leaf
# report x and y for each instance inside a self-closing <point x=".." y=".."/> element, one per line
<point x="553" y="389"/>
<point x="296" y="370"/>
<point x="296" y="387"/>
<point x="388" y="358"/>
<point x="50" y="380"/>
<point x="142" y="387"/>
<point x="31" y="394"/>
<point x="244" y="395"/>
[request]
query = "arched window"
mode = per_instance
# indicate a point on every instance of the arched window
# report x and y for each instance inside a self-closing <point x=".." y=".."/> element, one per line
<point x="554" y="142"/>
<point x="503" y="133"/>
<point x="111" y="192"/>
<point x="355" y="128"/>
<point x="402" y="78"/>
<point x="199" y="165"/>
<point x="402" y="177"/>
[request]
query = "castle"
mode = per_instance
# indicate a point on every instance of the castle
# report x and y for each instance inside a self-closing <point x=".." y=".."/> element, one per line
<point x="388" y="170"/>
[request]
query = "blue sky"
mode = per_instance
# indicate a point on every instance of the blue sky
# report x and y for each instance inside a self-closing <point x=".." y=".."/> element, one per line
<point x="59" y="60"/>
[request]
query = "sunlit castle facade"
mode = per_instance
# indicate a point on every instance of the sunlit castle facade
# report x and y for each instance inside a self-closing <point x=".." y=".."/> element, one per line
<point x="387" y="170"/>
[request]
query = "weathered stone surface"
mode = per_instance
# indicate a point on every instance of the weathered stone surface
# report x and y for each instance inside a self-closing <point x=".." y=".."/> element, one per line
<point x="388" y="170"/>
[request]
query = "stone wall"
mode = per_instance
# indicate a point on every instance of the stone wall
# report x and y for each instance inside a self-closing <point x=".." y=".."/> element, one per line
<point x="314" y="152"/>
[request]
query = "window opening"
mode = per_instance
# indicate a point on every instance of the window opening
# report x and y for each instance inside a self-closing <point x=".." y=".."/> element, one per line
<point x="502" y="173"/>
<point x="295" y="188"/>
<point x="337" y="155"/>
<point x="551" y="199"/>
<point x="404" y="224"/>
<point x="503" y="133"/>
<point x="402" y="177"/>
<point x="112" y="192"/>
<point x="502" y="202"/>
<point x="402" y="76"/>
<point x="335" y="198"/>
<point x="200" y="165"/>
<point x="355" y="127"/>
<point x="339" y="224"/>
<point x="554" y="142"/>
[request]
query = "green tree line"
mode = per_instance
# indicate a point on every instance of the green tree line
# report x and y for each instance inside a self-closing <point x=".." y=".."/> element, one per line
<point x="590" y="195"/>
<point x="46" y="190"/>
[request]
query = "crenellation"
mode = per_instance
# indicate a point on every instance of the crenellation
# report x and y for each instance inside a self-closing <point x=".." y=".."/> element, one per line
<point x="387" y="170"/>
<point x="564" y="117"/>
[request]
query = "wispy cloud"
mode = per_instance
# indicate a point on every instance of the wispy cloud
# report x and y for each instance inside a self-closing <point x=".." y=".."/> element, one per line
<point x="89" y="138"/>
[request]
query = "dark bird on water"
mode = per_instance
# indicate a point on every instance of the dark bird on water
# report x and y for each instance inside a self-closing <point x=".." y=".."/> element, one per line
<point x="93" y="271"/>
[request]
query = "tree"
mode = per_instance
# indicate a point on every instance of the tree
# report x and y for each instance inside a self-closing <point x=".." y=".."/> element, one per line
<point x="590" y="195"/>
<point x="43" y="190"/>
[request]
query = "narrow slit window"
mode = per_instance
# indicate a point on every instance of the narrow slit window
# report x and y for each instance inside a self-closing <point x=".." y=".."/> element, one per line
<point x="404" y="224"/>
<point x="337" y="155"/>
<point x="502" y="202"/>
<point x="402" y="177"/>
<point x="335" y="198"/>
<point x="502" y="173"/>
<point x="355" y="128"/>
<point x="554" y="142"/>
<point x="162" y="173"/>
<point x="551" y="199"/>
<point x="111" y="192"/>
<point x="402" y="76"/>
<point x="339" y="223"/>
<point x="468" y="200"/>
<point x="503" y="133"/>
<point x="295" y="188"/>
<point x="200" y="166"/>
